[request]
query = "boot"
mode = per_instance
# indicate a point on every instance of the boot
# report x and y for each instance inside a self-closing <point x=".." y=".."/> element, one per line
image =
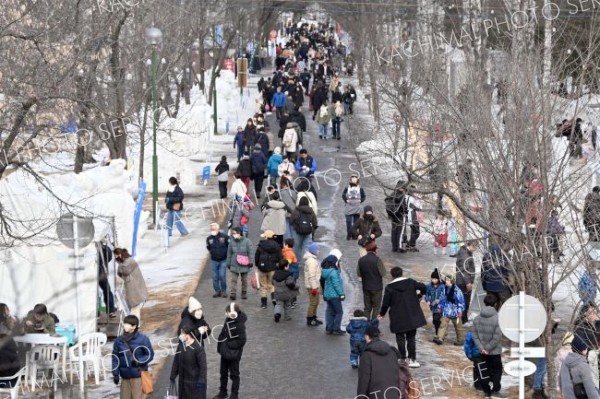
<point x="539" y="394"/>
<point x="273" y="299"/>
<point x="263" y="303"/>
<point x="244" y="295"/>
<point x="311" y="321"/>
<point x="221" y="395"/>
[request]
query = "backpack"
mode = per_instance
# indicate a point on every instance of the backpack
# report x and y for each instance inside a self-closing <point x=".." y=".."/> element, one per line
<point x="304" y="224"/>
<point x="471" y="350"/>
<point x="353" y="193"/>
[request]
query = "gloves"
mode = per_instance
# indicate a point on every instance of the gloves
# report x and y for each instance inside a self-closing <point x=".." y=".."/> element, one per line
<point x="314" y="292"/>
<point x="116" y="379"/>
<point x="200" y="386"/>
<point x="342" y="297"/>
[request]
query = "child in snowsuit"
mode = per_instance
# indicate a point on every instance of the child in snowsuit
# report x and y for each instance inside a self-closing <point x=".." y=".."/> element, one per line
<point x="451" y="307"/>
<point x="285" y="290"/>
<point x="432" y="297"/>
<point x="288" y="254"/>
<point x="356" y="328"/>
<point x="440" y="232"/>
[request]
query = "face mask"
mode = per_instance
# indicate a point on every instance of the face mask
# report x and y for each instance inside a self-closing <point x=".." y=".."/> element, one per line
<point x="182" y="338"/>
<point x="198" y="314"/>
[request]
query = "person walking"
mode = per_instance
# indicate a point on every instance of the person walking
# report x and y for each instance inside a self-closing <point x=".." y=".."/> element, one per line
<point x="323" y="119"/>
<point x="238" y="142"/>
<point x="238" y="187"/>
<point x="465" y="273"/>
<point x="337" y="111"/>
<point x="217" y="244"/>
<point x="378" y="368"/>
<point x="452" y="307"/>
<point x="575" y="371"/>
<point x="303" y="223"/>
<point x="333" y="292"/>
<point x="273" y="166"/>
<point x="249" y="136"/>
<point x="279" y="101"/>
<point x="193" y="316"/>
<point x="402" y="300"/>
<point x="356" y="328"/>
<point x="396" y="207"/>
<point x="353" y="197"/>
<point x="259" y="164"/>
<point x="274" y="217"/>
<point x="132" y="352"/>
<point x="230" y="346"/>
<point x="239" y="253"/>
<point x="174" y="202"/>
<point x="189" y="364"/>
<point x="488" y="338"/>
<point x="267" y="257"/>
<point x="312" y="277"/>
<point x="366" y="229"/>
<point x="286" y="291"/>
<point x="370" y="272"/>
<point x="136" y="292"/>
<point x="245" y="170"/>
<point x="290" y="141"/>
<point x="222" y="171"/>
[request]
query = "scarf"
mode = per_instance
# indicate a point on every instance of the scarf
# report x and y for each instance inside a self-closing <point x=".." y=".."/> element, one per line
<point x="450" y="294"/>
<point x="128" y="337"/>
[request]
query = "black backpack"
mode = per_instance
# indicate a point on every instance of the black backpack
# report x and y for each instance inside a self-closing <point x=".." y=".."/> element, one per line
<point x="304" y="224"/>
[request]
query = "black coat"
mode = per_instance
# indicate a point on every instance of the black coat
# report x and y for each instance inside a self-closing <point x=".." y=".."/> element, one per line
<point x="378" y="372"/>
<point x="400" y="297"/>
<point x="233" y="338"/>
<point x="189" y="365"/>
<point x="368" y="265"/>
<point x="245" y="167"/>
<point x="263" y="140"/>
<point x="174" y="197"/>
<point x="259" y="162"/>
<point x="217" y="246"/>
<point x="299" y="118"/>
<point x="267" y="255"/>
<point x="9" y="358"/>
<point x="187" y="318"/>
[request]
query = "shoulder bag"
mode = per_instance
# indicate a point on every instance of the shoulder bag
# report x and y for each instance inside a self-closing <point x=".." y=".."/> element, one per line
<point x="242" y="259"/>
<point x="578" y="389"/>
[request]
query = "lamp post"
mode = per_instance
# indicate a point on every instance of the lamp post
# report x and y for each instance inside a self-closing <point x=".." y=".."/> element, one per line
<point x="153" y="37"/>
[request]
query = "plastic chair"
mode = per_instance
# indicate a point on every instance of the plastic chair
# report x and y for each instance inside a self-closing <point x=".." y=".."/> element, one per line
<point x="44" y="358"/>
<point x="14" y="391"/>
<point x="88" y="350"/>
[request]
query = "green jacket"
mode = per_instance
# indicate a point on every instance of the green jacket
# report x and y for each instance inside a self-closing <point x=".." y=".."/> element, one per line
<point x="45" y="326"/>
<point x="242" y="247"/>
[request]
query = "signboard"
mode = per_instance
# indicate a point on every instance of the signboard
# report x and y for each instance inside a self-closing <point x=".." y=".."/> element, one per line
<point x="139" y="203"/>
<point x="67" y="235"/>
<point x="528" y="352"/>
<point x="206" y="174"/>
<point x="515" y="369"/>
<point x="242" y="68"/>
<point x="535" y="318"/>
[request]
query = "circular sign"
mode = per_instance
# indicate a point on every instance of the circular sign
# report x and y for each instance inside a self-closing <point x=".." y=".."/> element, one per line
<point x="535" y="318"/>
<point x="513" y="368"/>
<point x="66" y="232"/>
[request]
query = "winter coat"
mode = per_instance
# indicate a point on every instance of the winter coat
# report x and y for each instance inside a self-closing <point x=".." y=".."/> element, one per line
<point x="285" y="286"/>
<point x="232" y="338"/>
<point x="486" y="331"/>
<point x="274" y="217"/>
<point x="283" y="166"/>
<point x="9" y="358"/>
<point x="378" y="371"/>
<point x="217" y="246"/>
<point x="222" y="170"/>
<point x="288" y="197"/>
<point x="312" y="201"/>
<point x="587" y="287"/>
<point x="465" y="267"/>
<point x="268" y="255"/>
<point x="238" y="210"/>
<point x="300" y="119"/>
<point x="238" y="140"/>
<point x="279" y="100"/>
<point x="273" y="164"/>
<point x="312" y="271"/>
<point x="494" y="274"/>
<point x="249" y="136"/>
<point x="122" y="356"/>
<point x="554" y="227"/>
<point x="323" y="116"/>
<point x="243" y="247"/>
<point x="174" y="197"/>
<point x="365" y="227"/>
<point x="238" y="189"/>
<point x="353" y="198"/>
<point x="298" y="130"/>
<point x="449" y="309"/>
<point x="332" y="279"/>
<point x="189" y="319"/>
<point x="309" y="162"/>
<point x="47" y="323"/>
<point x="400" y="297"/>
<point x="259" y="163"/>
<point x="371" y="270"/>
<point x="271" y="138"/>
<point x="434" y="293"/>
<point x="357" y="327"/>
<point x="290" y="140"/>
<point x="135" y="286"/>
<point x="245" y="166"/>
<point x="190" y="366"/>
<point x="581" y="372"/>
<point x="303" y="209"/>
<point x="263" y="140"/>
<point x="591" y="212"/>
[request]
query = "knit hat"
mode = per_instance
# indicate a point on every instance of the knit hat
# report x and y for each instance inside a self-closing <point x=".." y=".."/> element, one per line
<point x="268" y="234"/>
<point x="257" y="146"/>
<point x="313" y="248"/>
<point x="368" y="208"/>
<point x="277" y="150"/>
<point x="373" y="332"/>
<point x="435" y="274"/>
<point x="371" y="246"/>
<point x="578" y="345"/>
<point x="450" y="276"/>
<point x="337" y="253"/>
<point x="193" y="305"/>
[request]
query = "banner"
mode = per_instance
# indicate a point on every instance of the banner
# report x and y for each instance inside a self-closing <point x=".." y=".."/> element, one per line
<point x="206" y="174"/>
<point x="139" y="203"/>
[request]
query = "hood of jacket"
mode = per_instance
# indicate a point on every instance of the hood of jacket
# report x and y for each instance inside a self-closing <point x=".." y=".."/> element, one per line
<point x="400" y="284"/>
<point x="281" y="275"/>
<point x="327" y="272"/>
<point x="270" y="246"/>
<point x="276" y="204"/>
<point x="357" y="319"/>
<point x="304" y="209"/>
<point x="488" y="311"/>
<point x="378" y="347"/>
<point x="329" y="262"/>
<point x="574" y="359"/>
<point x="307" y="255"/>
<point x="223" y="163"/>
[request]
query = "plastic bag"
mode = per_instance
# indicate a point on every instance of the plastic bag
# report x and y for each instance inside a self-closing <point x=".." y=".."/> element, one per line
<point x="172" y="392"/>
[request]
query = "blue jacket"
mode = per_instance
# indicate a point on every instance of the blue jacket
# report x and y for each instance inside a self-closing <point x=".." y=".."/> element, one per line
<point x="259" y="162"/>
<point x="238" y="140"/>
<point x="123" y="361"/>
<point x="310" y="162"/>
<point x="587" y="288"/>
<point x="434" y="294"/>
<point x="357" y="327"/>
<point x="279" y="100"/>
<point x="274" y="161"/>
<point x="174" y="197"/>
<point x="449" y="309"/>
<point x="334" y="287"/>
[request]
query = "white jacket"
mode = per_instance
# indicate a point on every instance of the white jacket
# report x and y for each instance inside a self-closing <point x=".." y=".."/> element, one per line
<point x="312" y="271"/>
<point x="312" y="201"/>
<point x="290" y="140"/>
<point x="238" y="188"/>
<point x="286" y="166"/>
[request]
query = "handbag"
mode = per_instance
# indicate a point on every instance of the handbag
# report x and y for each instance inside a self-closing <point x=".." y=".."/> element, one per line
<point x="147" y="384"/>
<point x="171" y="392"/>
<point x="242" y="259"/>
<point x="578" y="389"/>
<point x="254" y="281"/>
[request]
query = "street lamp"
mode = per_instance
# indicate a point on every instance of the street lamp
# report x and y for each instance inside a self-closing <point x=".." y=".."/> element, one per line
<point x="213" y="55"/>
<point x="153" y="38"/>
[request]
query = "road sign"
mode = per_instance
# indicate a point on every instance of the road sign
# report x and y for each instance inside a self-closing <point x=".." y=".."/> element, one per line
<point x="513" y="368"/>
<point x="66" y="232"/>
<point x="535" y="318"/>
<point x="528" y="352"/>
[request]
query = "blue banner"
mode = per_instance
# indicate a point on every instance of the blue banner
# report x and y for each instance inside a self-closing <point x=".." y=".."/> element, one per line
<point x="139" y="203"/>
<point x="206" y="173"/>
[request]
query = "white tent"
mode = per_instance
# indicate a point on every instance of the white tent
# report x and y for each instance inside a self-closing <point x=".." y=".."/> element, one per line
<point x="40" y="269"/>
